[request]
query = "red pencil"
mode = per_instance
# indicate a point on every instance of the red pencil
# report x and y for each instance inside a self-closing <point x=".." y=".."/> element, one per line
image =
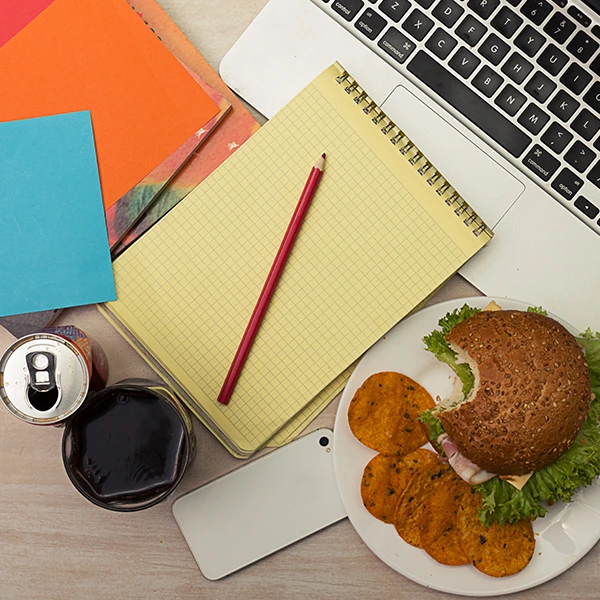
<point x="271" y="282"/>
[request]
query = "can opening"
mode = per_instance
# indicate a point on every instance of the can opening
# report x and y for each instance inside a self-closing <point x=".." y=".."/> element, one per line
<point x="42" y="401"/>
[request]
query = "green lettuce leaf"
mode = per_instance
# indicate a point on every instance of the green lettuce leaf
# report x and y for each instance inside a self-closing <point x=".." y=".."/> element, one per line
<point x="437" y="345"/>
<point x="434" y="426"/>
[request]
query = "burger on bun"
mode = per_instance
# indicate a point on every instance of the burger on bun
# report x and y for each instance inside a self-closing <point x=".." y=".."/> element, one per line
<point x="522" y="421"/>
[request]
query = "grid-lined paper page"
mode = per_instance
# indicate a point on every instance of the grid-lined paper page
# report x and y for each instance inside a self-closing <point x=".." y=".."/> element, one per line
<point x="368" y="252"/>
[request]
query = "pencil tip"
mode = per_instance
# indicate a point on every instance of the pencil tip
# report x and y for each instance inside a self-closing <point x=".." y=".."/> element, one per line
<point x="323" y="155"/>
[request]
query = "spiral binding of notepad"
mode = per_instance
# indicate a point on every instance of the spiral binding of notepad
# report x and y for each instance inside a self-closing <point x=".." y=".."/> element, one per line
<point x="414" y="156"/>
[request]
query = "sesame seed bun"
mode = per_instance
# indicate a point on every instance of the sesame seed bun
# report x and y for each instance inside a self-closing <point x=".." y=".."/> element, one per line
<point x="531" y="394"/>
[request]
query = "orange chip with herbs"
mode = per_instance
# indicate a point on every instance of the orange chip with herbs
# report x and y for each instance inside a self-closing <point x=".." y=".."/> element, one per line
<point x="497" y="550"/>
<point x="385" y="478"/>
<point x="383" y="413"/>
<point x="439" y="534"/>
<point x="411" y="509"/>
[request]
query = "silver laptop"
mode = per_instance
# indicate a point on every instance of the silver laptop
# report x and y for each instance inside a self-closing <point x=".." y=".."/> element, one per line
<point x="503" y="96"/>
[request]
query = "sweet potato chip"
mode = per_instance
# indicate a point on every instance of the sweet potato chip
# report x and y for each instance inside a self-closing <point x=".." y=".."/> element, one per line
<point x="385" y="478"/>
<point x="383" y="413"/>
<point x="411" y="509"/>
<point x="439" y="535"/>
<point x="497" y="550"/>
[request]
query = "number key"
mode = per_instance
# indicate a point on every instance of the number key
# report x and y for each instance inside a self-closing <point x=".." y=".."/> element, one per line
<point x="582" y="46"/>
<point x="559" y="28"/>
<point x="536" y="10"/>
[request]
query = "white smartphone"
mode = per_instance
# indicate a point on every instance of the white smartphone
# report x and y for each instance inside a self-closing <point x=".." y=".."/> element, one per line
<point x="265" y="505"/>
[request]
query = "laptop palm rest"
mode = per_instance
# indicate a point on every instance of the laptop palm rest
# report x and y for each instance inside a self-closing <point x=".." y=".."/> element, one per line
<point x="487" y="186"/>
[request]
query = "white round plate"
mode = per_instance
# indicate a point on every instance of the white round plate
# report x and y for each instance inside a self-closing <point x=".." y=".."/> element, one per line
<point x="563" y="536"/>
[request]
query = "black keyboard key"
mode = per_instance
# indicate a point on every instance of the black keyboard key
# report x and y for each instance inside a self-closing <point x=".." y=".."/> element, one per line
<point x="370" y="23"/>
<point x="425" y="3"/>
<point x="596" y="30"/>
<point x="552" y="59"/>
<point x="594" y="175"/>
<point x="575" y="78"/>
<point x="448" y="12"/>
<point x="441" y="43"/>
<point x="567" y="184"/>
<point x="592" y="97"/>
<point x="494" y="49"/>
<point x="471" y="30"/>
<point x="483" y="8"/>
<point x="559" y="28"/>
<point x="540" y="87"/>
<point x="506" y="22"/>
<point x="595" y="65"/>
<point x="417" y="24"/>
<point x="510" y="100"/>
<point x="588" y="208"/>
<point x="487" y="81"/>
<point x="464" y="62"/>
<point x="563" y="105"/>
<point x="556" y="137"/>
<point x="533" y="118"/>
<point x="529" y="40"/>
<point x="396" y="44"/>
<point x="394" y="9"/>
<point x="514" y="2"/>
<point x="586" y="124"/>
<point x="580" y="156"/>
<point x="536" y="10"/>
<point x="517" y="68"/>
<point x="541" y="162"/>
<point x="582" y="46"/>
<point x="468" y="103"/>
<point x="347" y="8"/>
<point x="579" y="16"/>
<point x="561" y="3"/>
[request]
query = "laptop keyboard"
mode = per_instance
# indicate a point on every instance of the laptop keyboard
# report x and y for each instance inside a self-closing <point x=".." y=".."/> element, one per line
<point x="523" y="72"/>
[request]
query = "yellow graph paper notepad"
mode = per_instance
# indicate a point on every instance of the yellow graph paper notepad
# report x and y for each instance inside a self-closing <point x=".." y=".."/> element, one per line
<point x="383" y="232"/>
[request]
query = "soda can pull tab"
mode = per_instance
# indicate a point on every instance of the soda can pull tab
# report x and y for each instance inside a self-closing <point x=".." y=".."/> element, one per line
<point x="42" y="388"/>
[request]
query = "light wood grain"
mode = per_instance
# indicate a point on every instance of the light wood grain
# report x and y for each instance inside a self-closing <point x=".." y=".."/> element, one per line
<point x="57" y="546"/>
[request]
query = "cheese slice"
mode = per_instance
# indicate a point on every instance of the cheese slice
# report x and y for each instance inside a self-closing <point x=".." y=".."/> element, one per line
<point x="517" y="481"/>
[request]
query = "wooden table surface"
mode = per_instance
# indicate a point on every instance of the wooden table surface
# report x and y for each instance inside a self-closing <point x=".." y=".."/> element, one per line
<point x="56" y="545"/>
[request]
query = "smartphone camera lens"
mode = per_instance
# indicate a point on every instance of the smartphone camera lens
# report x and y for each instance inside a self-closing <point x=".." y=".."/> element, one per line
<point x="324" y="441"/>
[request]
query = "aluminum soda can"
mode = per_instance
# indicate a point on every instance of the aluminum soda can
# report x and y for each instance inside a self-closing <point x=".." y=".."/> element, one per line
<point x="45" y="377"/>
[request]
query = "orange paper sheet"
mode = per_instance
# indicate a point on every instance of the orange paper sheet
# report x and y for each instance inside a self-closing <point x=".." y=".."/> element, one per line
<point x="100" y="56"/>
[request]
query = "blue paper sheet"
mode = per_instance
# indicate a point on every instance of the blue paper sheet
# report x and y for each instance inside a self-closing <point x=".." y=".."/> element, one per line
<point x="53" y="242"/>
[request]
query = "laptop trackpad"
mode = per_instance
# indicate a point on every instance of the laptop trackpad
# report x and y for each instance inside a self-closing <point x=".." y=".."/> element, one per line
<point x="487" y="186"/>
